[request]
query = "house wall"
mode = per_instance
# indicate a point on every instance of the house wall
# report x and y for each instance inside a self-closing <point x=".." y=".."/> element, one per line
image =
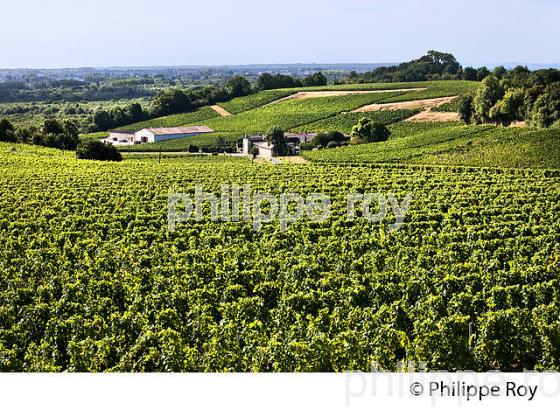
<point x="157" y="138"/>
<point x="144" y="133"/>
<point x="174" y="136"/>
<point x="121" y="136"/>
<point x="265" y="152"/>
<point x="246" y="146"/>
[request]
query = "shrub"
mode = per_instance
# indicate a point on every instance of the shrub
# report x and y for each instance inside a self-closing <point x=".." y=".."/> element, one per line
<point x="466" y="109"/>
<point x="94" y="149"/>
<point x="367" y="131"/>
<point x="324" y="138"/>
<point x="193" y="148"/>
<point x="306" y="146"/>
<point x="333" y="144"/>
<point x="7" y="131"/>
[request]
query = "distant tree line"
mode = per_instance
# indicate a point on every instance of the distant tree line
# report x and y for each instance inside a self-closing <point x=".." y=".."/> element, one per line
<point x="176" y="100"/>
<point x="519" y="94"/>
<point x="435" y="65"/>
<point x="52" y="133"/>
<point x="267" y="81"/>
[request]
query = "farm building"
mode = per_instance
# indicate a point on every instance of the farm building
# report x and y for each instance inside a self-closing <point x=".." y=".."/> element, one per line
<point x="148" y="135"/>
<point x="266" y="150"/>
<point x="120" y="137"/>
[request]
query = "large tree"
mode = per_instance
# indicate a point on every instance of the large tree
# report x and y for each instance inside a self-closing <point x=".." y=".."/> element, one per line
<point x="276" y="137"/>
<point x="487" y="95"/>
<point x="469" y="74"/>
<point x="367" y="131"/>
<point x="238" y="86"/>
<point x="546" y="110"/>
<point x="172" y="101"/>
<point x="509" y="108"/>
<point x="7" y="131"/>
<point x="466" y="109"/>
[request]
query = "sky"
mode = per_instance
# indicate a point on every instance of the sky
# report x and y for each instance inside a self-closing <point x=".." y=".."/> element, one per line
<point x="97" y="33"/>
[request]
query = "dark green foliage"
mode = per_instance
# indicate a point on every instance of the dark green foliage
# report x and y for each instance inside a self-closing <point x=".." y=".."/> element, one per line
<point x="97" y="150"/>
<point x="323" y="139"/>
<point x="482" y="73"/>
<point x="276" y="137"/>
<point x="172" y="102"/>
<point x="315" y="80"/>
<point x="466" y="109"/>
<point x="546" y="109"/>
<point x="118" y="116"/>
<point x="434" y="65"/>
<point x="521" y="95"/>
<point x="509" y="108"/>
<point x="367" y="131"/>
<point x="487" y="95"/>
<point x="7" y="131"/>
<point x="267" y="81"/>
<point x="508" y="340"/>
<point x="238" y="86"/>
<point x="499" y="72"/>
<point x="470" y="74"/>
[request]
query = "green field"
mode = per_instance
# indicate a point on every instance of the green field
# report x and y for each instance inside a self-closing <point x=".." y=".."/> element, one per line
<point x="92" y="280"/>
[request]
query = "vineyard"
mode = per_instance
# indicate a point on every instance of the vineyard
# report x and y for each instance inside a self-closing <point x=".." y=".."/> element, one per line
<point x="254" y="113"/>
<point x="92" y="280"/>
<point x="454" y="144"/>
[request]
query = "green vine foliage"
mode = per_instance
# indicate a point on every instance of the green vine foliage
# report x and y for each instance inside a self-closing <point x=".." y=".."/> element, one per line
<point x="92" y="280"/>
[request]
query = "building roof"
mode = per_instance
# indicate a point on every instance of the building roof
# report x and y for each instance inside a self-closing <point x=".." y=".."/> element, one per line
<point x="200" y="129"/>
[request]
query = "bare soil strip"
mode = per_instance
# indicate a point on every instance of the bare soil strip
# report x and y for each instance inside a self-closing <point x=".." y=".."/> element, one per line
<point x="303" y="95"/>
<point x="434" y="116"/>
<point x="430" y="103"/>
<point x="220" y="110"/>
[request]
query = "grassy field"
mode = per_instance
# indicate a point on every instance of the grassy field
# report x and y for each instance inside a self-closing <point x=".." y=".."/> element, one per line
<point x="93" y="280"/>
<point x="454" y="144"/>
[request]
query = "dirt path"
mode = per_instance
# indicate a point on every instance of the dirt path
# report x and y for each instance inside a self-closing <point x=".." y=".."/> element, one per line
<point x="434" y="116"/>
<point x="296" y="159"/>
<point x="220" y="110"/>
<point x="430" y="103"/>
<point x="303" y="95"/>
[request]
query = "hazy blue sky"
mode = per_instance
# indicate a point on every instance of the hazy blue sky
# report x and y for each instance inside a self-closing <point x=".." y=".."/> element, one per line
<point x="70" y="33"/>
